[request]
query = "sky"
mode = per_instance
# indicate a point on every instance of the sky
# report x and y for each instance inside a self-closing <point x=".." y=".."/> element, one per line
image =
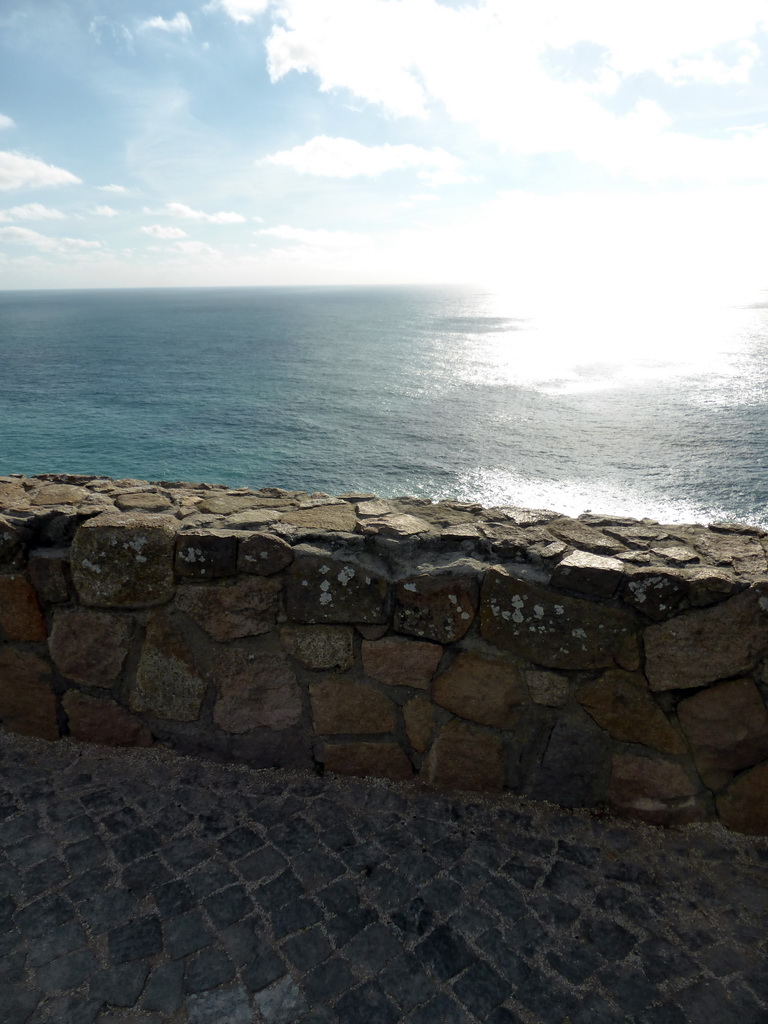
<point x="583" y="149"/>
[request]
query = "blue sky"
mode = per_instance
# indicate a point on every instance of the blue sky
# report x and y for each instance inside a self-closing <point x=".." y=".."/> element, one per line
<point x="578" y="147"/>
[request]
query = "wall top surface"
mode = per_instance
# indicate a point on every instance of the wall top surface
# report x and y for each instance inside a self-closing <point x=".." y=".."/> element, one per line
<point x="45" y="511"/>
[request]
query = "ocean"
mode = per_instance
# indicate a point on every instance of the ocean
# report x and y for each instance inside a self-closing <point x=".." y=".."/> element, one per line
<point x="438" y="392"/>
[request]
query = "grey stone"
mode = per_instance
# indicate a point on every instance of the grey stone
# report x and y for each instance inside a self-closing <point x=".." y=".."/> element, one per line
<point x="555" y="630"/>
<point x="164" y="989"/>
<point x="120" y="986"/>
<point x="223" y="1004"/>
<point x="67" y="971"/>
<point x="705" y="645"/>
<point x="335" y="589"/>
<point x="369" y="1003"/>
<point x="280" y="1003"/>
<point x="186" y="934"/>
<point x="124" y="560"/>
<point x="135" y="940"/>
<point x="263" y="971"/>
<point x="575" y="766"/>
<point x="586" y="573"/>
<point x="209" y="968"/>
<point x="445" y="952"/>
<point x="307" y="949"/>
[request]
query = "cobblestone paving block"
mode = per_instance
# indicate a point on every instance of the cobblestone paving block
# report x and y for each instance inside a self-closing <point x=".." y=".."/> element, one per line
<point x="66" y="971"/>
<point x="186" y="934"/>
<point x="328" y="981"/>
<point x="209" y="968"/>
<point x="368" y="1003"/>
<point x="441" y="1008"/>
<point x="281" y="1003"/>
<point x="119" y="986"/>
<point x="135" y="940"/>
<point x="164" y="990"/>
<point x="140" y="887"/>
<point x="224" y="1004"/>
<point x="63" y="939"/>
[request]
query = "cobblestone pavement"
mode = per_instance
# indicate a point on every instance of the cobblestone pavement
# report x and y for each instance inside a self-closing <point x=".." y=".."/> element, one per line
<point x="138" y="886"/>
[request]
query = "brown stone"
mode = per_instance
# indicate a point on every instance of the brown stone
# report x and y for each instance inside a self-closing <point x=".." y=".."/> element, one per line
<point x="547" y="688"/>
<point x="554" y="630"/>
<point x="482" y="690"/>
<point x="727" y="727"/>
<point x="252" y="519"/>
<point x="709" y="586"/>
<point x="57" y="494"/>
<point x="374" y="509"/>
<point x="341" y="705"/>
<point x="394" y="525"/>
<point x="247" y="607"/>
<point x="700" y="647"/>
<point x="90" y="647"/>
<point x="227" y="504"/>
<point x="142" y="501"/>
<point x="255" y="689"/>
<point x="206" y="554"/>
<point x="586" y="573"/>
<point x="742" y="552"/>
<point x="464" y="757"/>
<point x="335" y="589"/>
<point x="510" y="541"/>
<point x="46" y="571"/>
<point x="743" y="806"/>
<point x="655" y="592"/>
<point x="27" y="700"/>
<point x="103" y="721"/>
<point x="13" y="495"/>
<point x="586" y="538"/>
<point x="419" y="717"/>
<point x="438" y="608"/>
<point x="10" y="541"/>
<point x="168" y="682"/>
<point x="20" y="614"/>
<point x="319" y="647"/>
<point x="124" y="559"/>
<point x="620" y="703"/>
<point x="675" y="554"/>
<point x="264" y="554"/>
<point x="659" y="792"/>
<point x="375" y="760"/>
<point x="324" y="518"/>
<point x="400" y="662"/>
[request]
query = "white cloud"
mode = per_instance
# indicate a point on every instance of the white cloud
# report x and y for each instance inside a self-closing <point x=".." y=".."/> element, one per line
<point x="119" y="189"/>
<point x="315" y="237"/>
<point x="19" y="171"/>
<point x="223" y="217"/>
<point x="105" y="211"/>
<point x="491" y="65"/>
<point x="243" y="11"/>
<point x="31" y="211"/>
<point x="195" y="249"/>
<point x="120" y="35"/>
<point x="344" y="158"/>
<point x="6" y="122"/>
<point x="161" y="231"/>
<point x="45" y="243"/>
<point x="178" y="25"/>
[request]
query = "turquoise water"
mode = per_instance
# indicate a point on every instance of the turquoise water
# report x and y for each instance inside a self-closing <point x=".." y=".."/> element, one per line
<point x="438" y="392"/>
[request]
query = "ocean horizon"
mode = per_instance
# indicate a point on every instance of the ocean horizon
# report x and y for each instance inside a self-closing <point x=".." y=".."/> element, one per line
<point x="439" y="392"/>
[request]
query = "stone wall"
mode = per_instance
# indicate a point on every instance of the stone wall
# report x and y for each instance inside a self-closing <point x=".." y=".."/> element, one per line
<point x="596" y="662"/>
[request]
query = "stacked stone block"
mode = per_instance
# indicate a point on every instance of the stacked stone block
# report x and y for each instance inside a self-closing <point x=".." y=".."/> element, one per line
<point x="590" y="662"/>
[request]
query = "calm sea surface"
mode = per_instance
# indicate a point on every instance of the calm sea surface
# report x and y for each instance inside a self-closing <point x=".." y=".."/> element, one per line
<point x="438" y="392"/>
